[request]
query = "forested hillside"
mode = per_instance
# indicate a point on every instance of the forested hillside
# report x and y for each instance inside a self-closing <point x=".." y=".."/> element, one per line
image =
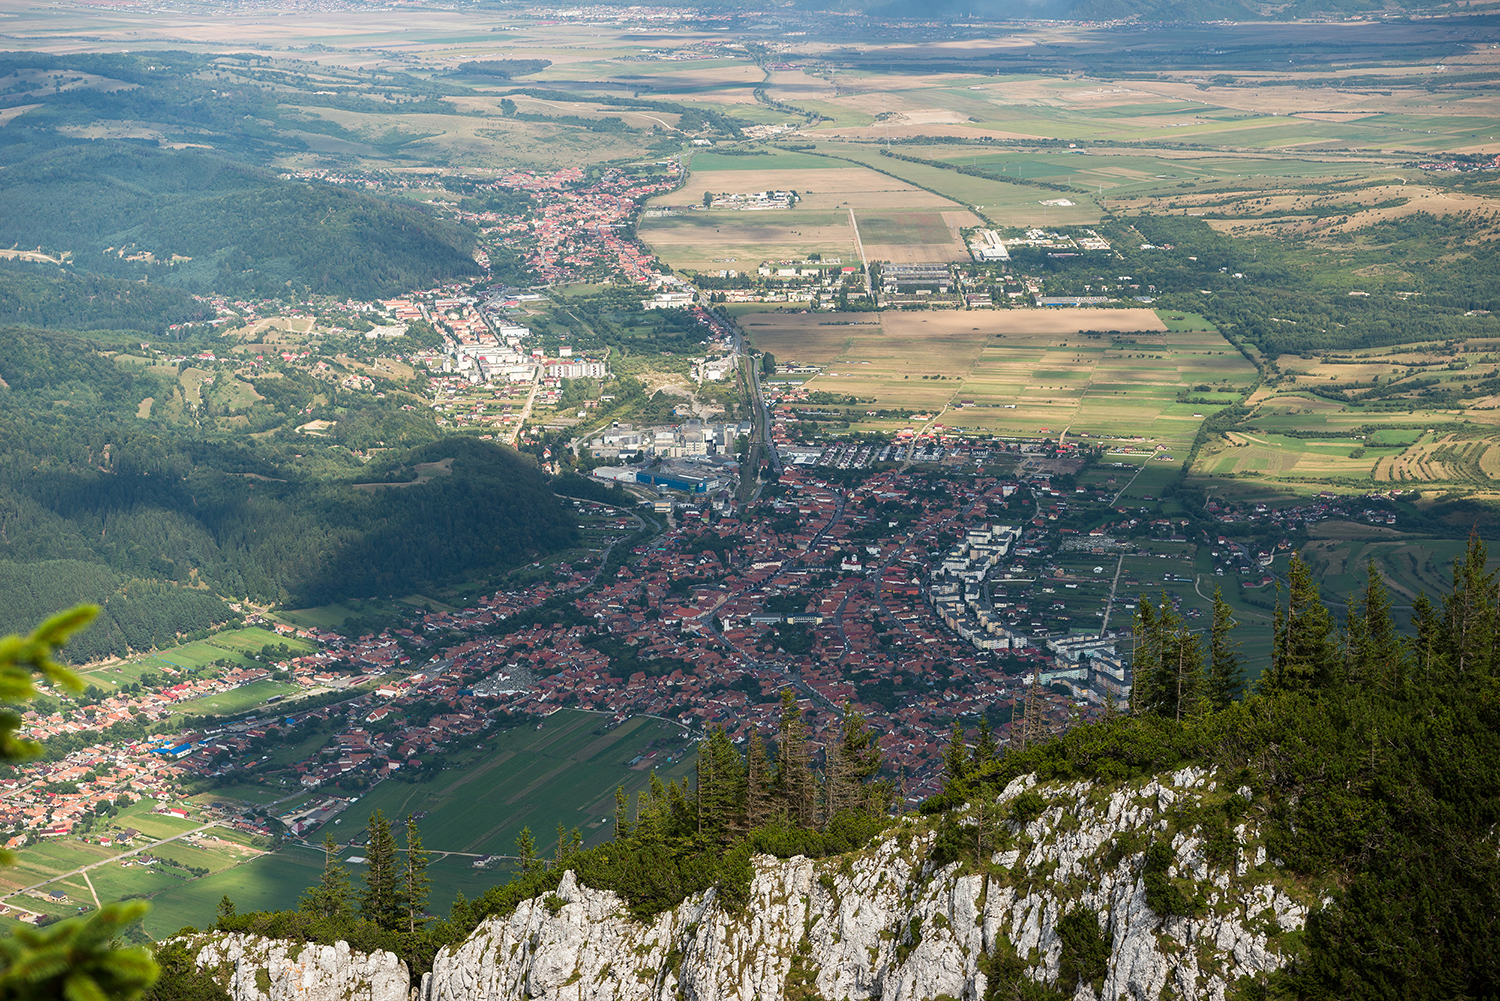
<point x="156" y="518"/>
<point x="46" y="296"/>
<point x="196" y="221"/>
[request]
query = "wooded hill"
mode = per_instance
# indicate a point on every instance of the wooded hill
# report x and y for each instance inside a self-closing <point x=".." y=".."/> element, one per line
<point x="155" y="519"/>
<point x="212" y="225"/>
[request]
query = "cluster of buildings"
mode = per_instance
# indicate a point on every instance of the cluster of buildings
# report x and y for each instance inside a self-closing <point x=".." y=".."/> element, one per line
<point x="753" y="201"/>
<point x="689" y="439"/>
<point x="574" y="233"/>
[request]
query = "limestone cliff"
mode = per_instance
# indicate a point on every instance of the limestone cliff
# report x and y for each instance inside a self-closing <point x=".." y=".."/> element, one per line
<point x="260" y="969"/>
<point x="886" y="922"/>
<point x="882" y="923"/>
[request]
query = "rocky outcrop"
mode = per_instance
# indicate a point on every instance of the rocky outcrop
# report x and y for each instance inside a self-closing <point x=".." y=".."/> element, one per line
<point x="886" y="923"/>
<point x="253" y="968"/>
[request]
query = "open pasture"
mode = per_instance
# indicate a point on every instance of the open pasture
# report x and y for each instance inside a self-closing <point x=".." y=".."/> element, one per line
<point x="897" y="221"/>
<point x="708" y="241"/>
<point x="1409" y="566"/>
<point x="909" y="237"/>
<point x="564" y="773"/>
<point x="1004" y="204"/>
<point x="1029" y="372"/>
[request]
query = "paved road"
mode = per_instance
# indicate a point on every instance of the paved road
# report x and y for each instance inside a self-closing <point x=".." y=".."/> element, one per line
<point x="1111" y="602"/>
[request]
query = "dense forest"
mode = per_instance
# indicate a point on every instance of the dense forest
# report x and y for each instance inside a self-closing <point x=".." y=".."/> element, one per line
<point x="196" y="221"/>
<point x="1371" y="759"/>
<point x="156" y="519"/>
<point x="45" y="296"/>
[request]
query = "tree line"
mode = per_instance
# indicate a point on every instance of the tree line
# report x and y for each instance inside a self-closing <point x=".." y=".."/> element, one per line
<point x="680" y="839"/>
<point x="1372" y="758"/>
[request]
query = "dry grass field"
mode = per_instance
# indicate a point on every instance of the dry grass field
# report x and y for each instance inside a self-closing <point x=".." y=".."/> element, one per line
<point x="897" y="222"/>
<point x="1017" y="371"/>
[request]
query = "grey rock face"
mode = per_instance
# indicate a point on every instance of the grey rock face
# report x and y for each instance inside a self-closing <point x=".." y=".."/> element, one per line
<point x="253" y="968"/>
<point x="884" y="923"/>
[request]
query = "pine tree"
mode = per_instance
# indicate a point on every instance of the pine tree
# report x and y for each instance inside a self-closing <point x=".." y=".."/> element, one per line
<point x="414" y="881"/>
<point x="1302" y="652"/>
<point x="330" y="898"/>
<point x="380" y="901"/>
<point x="1186" y="663"/>
<point x="852" y="762"/>
<point x="956" y="762"/>
<point x="721" y="787"/>
<point x="1379" y="655"/>
<point x="1470" y="613"/>
<point x="526" y="856"/>
<point x="1226" y="675"/>
<point x="758" y="781"/>
<point x="1145" y="658"/>
<point x="622" y="811"/>
<point x="985" y="748"/>
<point x="796" y="790"/>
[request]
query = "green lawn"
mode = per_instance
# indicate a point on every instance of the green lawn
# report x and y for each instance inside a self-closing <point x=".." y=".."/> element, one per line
<point x="237" y="699"/>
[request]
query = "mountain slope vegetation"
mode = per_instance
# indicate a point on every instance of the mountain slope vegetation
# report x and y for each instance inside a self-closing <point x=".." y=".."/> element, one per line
<point x="198" y="222"/>
<point x="99" y="504"/>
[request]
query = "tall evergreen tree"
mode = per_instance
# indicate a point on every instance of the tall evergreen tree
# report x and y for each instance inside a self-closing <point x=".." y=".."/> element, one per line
<point x="526" y="857"/>
<point x="1470" y="613"/>
<point x="758" y="782"/>
<point x="721" y="786"/>
<point x="1375" y="650"/>
<point x="1226" y="675"/>
<point x="1186" y="667"/>
<point x="622" y="814"/>
<point x="796" y="790"/>
<point x="1145" y="657"/>
<point x="1302" y="652"/>
<point x="851" y="763"/>
<point x="380" y="901"/>
<point x="330" y="898"/>
<point x="985" y="748"/>
<point x="414" y="881"/>
<point x="956" y="761"/>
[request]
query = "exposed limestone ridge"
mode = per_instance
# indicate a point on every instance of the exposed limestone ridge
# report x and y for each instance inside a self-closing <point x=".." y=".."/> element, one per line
<point x="253" y="968"/>
<point x="884" y="922"/>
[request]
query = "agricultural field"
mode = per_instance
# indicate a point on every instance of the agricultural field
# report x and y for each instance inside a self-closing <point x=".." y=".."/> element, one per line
<point x="897" y="221"/>
<point x="1027" y="372"/>
<point x="232" y="645"/>
<point x="153" y="870"/>
<point x="565" y="772"/>
<point x="1438" y="440"/>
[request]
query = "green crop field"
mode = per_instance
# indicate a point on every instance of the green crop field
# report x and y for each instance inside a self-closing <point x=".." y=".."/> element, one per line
<point x="1020" y="371"/>
<point x="566" y="772"/>
<point x="768" y="161"/>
